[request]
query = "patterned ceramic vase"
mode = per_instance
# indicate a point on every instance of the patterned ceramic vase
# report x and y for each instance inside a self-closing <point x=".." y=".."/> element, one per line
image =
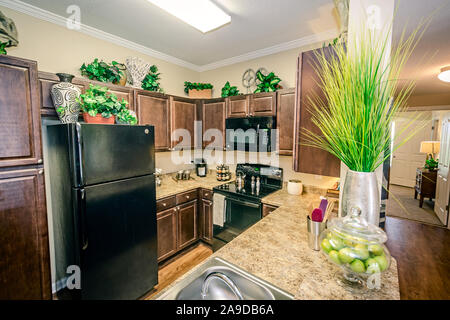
<point x="64" y="96"/>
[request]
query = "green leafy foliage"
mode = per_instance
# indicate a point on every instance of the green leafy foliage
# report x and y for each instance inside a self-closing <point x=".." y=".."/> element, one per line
<point x="196" y="86"/>
<point x="431" y="164"/>
<point x="362" y="97"/>
<point x="267" y="83"/>
<point x="126" y="116"/>
<point x="3" y="46"/>
<point x="151" y="80"/>
<point x="98" y="99"/>
<point x="102" y="71"/>
<point x="229" y="91"/>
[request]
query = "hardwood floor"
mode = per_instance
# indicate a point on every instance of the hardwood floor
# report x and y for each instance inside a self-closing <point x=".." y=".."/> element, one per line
<point x="179" y="266"/>
<point x="423" y="258"/>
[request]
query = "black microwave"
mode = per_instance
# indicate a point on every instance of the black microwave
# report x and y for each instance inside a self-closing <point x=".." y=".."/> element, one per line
<point x="250" y="134"/>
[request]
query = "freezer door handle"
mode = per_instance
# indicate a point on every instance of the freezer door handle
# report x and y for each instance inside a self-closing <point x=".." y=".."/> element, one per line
<point x="84" y="236"/>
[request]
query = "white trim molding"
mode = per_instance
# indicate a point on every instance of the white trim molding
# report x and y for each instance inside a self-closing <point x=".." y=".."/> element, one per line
<point x="99" y="34"/>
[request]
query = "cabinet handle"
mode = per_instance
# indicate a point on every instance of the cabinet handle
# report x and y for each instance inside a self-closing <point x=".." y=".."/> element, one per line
<point x="187" y="197"/>
<point x="41" y="171"/>
<point x="164" y="205"/>
<point x="39" y="161"/>
<point x="206" y="194"/>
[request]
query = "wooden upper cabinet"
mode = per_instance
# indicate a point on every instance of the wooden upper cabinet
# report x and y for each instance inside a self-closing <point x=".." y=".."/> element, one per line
<point x="285" y="121"/>
<point x="20" y="121"/>
<point x="213" y="117"/>
<point x="154" y="109"/>
<point x="24" y="251"/>
<point x="46" y="81"/>
<point x="308" y="159"/>
<point x="183" y="115"/>
<point x="238" y="106"/>
<point x="263" y="104"/>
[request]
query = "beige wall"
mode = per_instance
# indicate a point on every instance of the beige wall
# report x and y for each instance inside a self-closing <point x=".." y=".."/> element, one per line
<point x="284" y="64"/>
<point x="58" y="49"/>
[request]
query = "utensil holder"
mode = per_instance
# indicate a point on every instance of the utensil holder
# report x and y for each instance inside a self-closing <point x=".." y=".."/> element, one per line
<point x="314" y="231"/>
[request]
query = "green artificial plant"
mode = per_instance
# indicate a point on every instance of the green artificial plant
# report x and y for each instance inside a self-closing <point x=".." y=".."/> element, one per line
<point x="431" y="164"/>
<point x="196" y="86"/>
<point x="126" y="116"/>
<point x="102" y="71"/>
<point x="229" y="91"/>
<point x="362" y="96"/>
<point x="267" y="83"/>
<point x="151" y="80"/>
<point x="3" y="46"/>
<point x="98" y="100"/>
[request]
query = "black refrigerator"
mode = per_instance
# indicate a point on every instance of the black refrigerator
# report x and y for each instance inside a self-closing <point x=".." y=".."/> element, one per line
<point x="104" y="209"/>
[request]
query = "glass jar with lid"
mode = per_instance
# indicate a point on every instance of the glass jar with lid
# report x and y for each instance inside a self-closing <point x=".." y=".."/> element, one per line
<point x="358" y="248"/>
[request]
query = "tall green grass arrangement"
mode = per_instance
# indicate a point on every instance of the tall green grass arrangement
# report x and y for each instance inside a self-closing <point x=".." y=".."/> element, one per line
<point x="362" y="96"/>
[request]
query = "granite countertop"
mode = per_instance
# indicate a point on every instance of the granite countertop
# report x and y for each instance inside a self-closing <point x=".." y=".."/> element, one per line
<point x="276" y="250"/>
<point x="170" y="187"/>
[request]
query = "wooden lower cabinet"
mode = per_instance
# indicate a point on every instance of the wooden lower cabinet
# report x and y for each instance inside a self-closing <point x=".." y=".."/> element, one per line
<point x="187" y="224"/>
<point x="166" y="222"/>
<point x="24" y="249"/>
<point x="206" y="224"/>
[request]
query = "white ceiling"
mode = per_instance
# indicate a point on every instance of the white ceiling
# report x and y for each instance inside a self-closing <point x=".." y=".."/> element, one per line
<point x="256" y="24"/>
<point x="258" y="27"/>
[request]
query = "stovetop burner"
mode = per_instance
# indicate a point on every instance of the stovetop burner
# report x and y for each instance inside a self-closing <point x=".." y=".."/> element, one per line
<point x="247" y="191"/>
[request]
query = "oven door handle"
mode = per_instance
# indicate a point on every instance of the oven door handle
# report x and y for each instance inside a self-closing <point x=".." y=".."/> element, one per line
<point x="245" y="203"/>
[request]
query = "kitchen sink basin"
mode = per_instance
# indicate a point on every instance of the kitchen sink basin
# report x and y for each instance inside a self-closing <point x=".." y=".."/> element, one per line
<point x="225" y="281"/>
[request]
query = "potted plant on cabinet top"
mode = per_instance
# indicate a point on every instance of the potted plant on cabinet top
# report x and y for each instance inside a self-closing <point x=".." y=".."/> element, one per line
<point x="362" y="97"/>
<point x="198" y="90"/>
<point x="229" y="91"/>
<point x="100" y="106"/>
<point x="267" y="83"/>
<point x="105" y="72"/>
<point x="151" y="80"/>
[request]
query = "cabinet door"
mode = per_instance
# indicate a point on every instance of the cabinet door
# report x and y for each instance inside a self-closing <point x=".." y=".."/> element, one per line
<point x="122" y="93"/>
<point x="441" y="206"/>
<point x="206" y="218"/>
<point x="214" y="119"/>
<point x="183" y="113"/>
<point x="166" y="222"/>
<point x="187" y="224"/>
<point x="154" y="109"/>
<point x="20" y="121"/>
<point x="263" y="104"/>
<point x="285" y="121"/>
<point x="308" y="159"/>
<point x="24" y="252"/>
<point x="238" y="106"/>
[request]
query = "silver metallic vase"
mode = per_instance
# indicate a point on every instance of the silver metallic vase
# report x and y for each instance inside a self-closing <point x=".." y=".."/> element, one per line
<point x="361" y="190"/>
<point x="64" y="96"/>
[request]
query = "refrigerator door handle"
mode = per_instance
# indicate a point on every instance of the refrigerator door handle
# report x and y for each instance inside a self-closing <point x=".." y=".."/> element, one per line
<point x="80" y="154"/>
<point x="84" y="236"/>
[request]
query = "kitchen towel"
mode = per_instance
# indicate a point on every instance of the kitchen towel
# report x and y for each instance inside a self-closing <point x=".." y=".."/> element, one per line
<point x="219" y="204"/>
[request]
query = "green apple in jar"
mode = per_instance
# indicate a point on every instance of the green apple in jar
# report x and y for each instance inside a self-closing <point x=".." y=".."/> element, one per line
<point x="376" y="249"/>
<point x="336" y="243"/>
<point x="361" y="251"/>
<point x="334" y="256"/>
<point x="358" y="266"/>
<point x="382" y="262"/>
<point x="346" y="255"/>
<point x="326" y="246"/>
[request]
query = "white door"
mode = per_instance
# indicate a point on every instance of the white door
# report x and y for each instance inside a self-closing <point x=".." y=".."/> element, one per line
<point x="407" y="158"/>
<point x="442" y="182"/>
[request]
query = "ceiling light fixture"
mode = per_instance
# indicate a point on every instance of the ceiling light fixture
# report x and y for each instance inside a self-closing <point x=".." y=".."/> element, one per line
<point x="201" y="14"/>
<point x="445" y="74"/>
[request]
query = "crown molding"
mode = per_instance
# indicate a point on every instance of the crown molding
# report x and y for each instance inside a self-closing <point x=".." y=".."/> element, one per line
<point x="96" y="33"/>
<point x="308" y="40"/>
<point x="99" y="34"/>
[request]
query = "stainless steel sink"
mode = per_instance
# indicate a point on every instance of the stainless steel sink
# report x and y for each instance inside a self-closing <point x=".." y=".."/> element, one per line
<point x="249" y="286"/>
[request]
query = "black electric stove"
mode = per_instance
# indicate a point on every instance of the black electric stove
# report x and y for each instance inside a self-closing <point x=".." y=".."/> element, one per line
<point x="242" y="205"/>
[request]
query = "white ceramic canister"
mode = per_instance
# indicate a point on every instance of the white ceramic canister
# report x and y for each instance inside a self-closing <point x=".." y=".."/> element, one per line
<point x="295" y="187"/>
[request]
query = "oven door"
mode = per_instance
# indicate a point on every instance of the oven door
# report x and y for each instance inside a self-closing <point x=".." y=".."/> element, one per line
<point x="240" y="215"/>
